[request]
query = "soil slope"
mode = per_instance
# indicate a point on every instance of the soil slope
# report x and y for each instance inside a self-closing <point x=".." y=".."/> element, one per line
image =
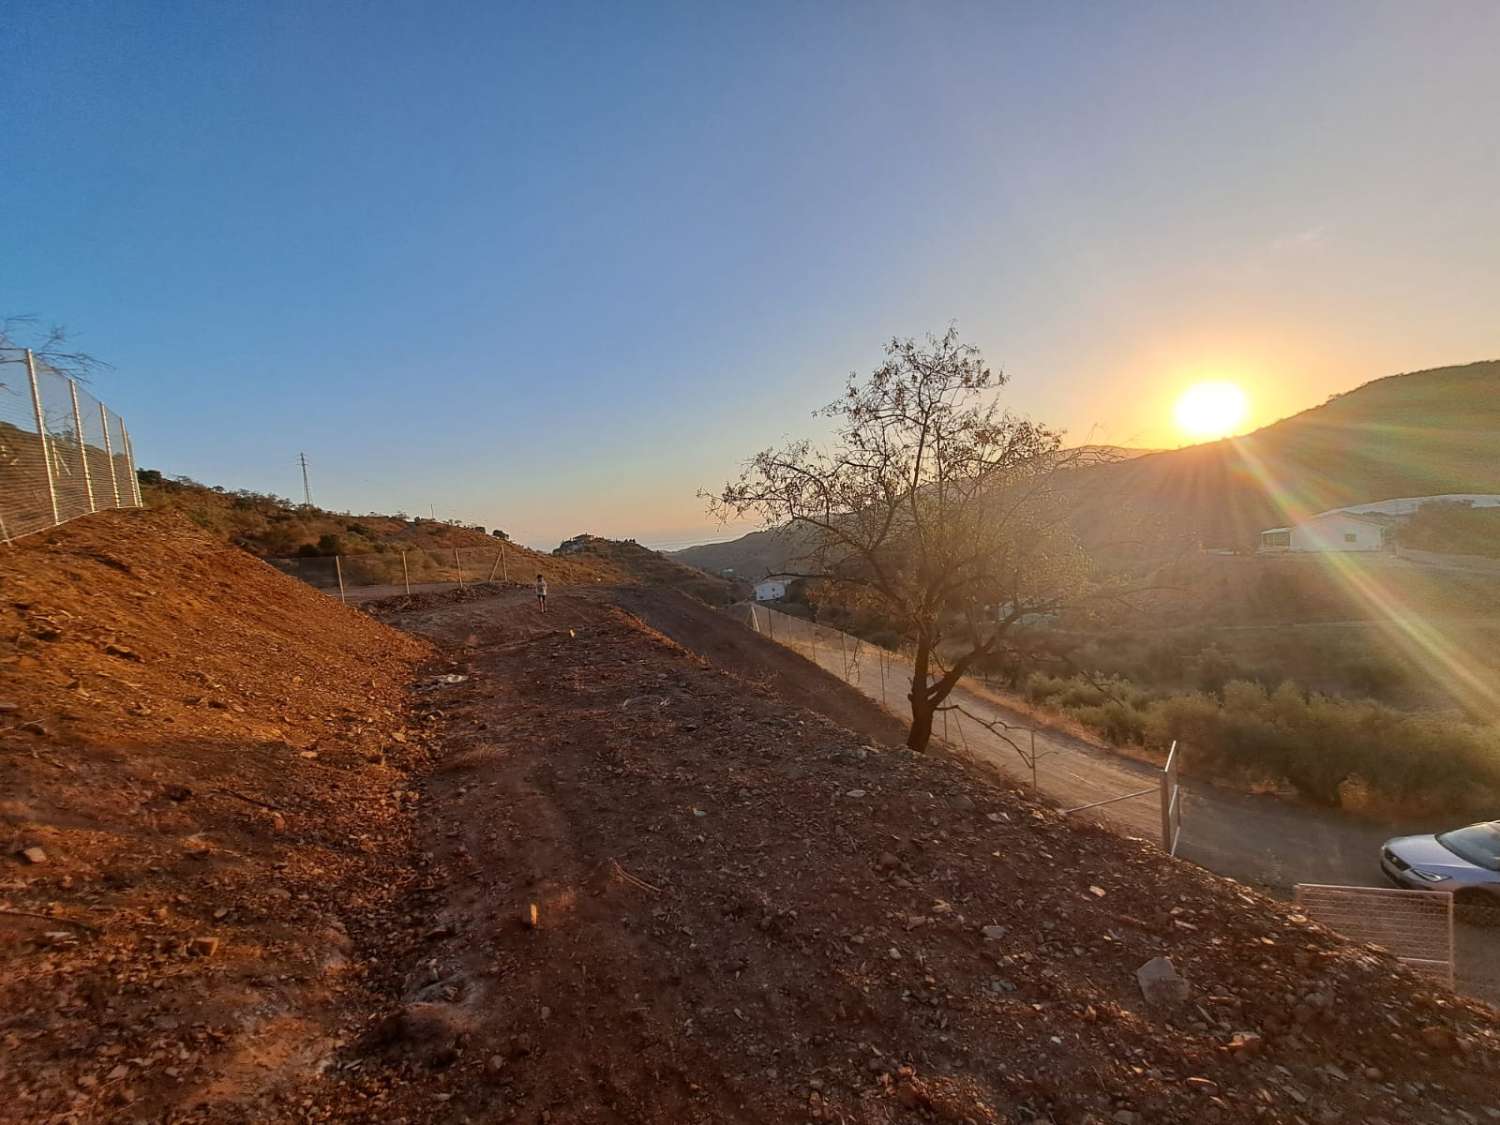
<point x="201" y="780"/>
<point x="616" y="884"/>
<point x="745" y="912"/>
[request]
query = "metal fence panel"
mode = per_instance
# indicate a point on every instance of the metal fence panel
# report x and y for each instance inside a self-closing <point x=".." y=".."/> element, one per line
<point x="62" y="454"/>
<point x="1415" y="926"/>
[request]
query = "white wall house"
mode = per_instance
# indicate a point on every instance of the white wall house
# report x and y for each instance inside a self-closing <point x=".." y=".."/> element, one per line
<point x="1361" y="527"/>
<point x="1331" y="531"/>
<point x="770" y="589"/>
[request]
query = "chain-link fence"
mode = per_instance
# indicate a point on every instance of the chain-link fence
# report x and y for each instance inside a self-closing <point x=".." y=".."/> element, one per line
<point x="1453" y="939"/>
<point x="63" y="453"/>
<point x="1415" y="926"/>
<point x="378" y="574"/>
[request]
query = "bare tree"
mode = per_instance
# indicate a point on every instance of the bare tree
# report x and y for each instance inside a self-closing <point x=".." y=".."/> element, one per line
<point x="933" y="506"/>
<point x="49" y="345"/>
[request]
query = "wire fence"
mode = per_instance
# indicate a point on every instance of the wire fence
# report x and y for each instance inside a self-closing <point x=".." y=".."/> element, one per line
<point x="378" y="574"/>
<point x="63" y="453"/>
<point x="1454" y="941"/>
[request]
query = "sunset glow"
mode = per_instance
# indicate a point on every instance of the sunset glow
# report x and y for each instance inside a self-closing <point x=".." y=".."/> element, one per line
<point x="1206" y="411"/>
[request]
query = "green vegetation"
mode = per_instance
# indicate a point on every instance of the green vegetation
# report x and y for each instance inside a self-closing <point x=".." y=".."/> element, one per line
<point x="1453" y="529"/>
<point x="1357" y="754"/>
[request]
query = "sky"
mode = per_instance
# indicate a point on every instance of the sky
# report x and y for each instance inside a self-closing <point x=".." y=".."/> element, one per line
<point x="554" y="268"/>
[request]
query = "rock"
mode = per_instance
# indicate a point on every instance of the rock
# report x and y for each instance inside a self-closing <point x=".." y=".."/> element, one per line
<point x="993" y="933"/>
<point x="1246" y="1043"/>
<point x="963" y="803"/>
<point x="203" y="946"/>
<point x="1373" y="1073"/>
<point x="122" y="652"/>
<point x="888" y="861"/>
<point x="178" y="793"/>
<point x="33" y="855"/>
<point x="1438" y="1038"/>
<point x="1125" y="1117"/>
<point x="855" y="793"/>
<point x="1160" y="983"/>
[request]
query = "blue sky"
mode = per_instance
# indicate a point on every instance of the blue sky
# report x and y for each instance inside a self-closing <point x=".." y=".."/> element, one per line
<point x="555" y="267"/>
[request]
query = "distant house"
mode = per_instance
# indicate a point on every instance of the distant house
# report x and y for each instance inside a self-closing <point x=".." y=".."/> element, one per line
<point x="1330" y="531"/>
<point x="1360" y="527"/>
<point x="770" y="589"/>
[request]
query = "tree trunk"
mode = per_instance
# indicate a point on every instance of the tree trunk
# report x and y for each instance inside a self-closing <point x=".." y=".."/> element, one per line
<point x="921" y="710"/>
<point x="921" y="729"/>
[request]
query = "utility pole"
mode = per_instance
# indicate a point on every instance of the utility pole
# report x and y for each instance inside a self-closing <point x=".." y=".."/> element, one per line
<point x="306" y="488"/>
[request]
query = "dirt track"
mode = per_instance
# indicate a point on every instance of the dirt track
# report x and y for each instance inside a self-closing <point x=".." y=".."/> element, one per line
<point x="746" y="913"/>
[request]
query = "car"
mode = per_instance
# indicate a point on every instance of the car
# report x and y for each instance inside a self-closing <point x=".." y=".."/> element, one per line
<point x="1464" y="862"/>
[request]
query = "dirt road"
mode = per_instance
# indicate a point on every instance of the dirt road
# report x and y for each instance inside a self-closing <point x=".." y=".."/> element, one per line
<point x="656" y="892"/>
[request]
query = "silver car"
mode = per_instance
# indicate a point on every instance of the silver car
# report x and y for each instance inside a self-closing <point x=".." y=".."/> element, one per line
<point x="1465" y="862"/>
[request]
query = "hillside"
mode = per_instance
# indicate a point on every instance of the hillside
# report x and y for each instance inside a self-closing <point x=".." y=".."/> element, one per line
<point x="273" y="527"/>
<point x="652" y="568"/>
<point x="1418" y="434"/>
<point x="204" y="769"/>
<point x="265" y="863"/>
<point x="751" y="557"/>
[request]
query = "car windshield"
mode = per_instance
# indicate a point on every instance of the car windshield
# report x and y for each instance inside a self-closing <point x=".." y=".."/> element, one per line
<point x="1478" y="843"/>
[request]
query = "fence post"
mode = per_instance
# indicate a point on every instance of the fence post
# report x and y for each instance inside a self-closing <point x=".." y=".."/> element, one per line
<point x="83" y="453"/>
<point x="494" y="568"/>
<point x="338" y="568"/>
<point x="405" y="574"/>
<point x="880" y="655"/>
<point x="1033" y="761"/>
<point x="41" y="434"/>
<point x="458" y="566"/>
<point x="109" y="454"/>
<point x="1166" y="801"/>
<point x="135" y="484"/>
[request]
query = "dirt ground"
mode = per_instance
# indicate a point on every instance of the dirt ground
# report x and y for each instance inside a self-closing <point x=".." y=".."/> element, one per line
<point x="202" y="778"/>
<point x="563" y="870"/>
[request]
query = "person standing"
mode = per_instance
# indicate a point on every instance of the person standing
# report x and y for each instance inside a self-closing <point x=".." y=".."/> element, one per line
<point x="541" y="592"/>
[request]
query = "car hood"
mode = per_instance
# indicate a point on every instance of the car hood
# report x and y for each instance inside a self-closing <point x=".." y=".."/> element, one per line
<point x="1425" y="852"/>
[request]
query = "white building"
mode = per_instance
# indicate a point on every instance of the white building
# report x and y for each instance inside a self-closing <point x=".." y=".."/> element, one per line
<point x="1360" y="527"/>
<point x="770" y="589"/>
<point x="1331" y="531"/>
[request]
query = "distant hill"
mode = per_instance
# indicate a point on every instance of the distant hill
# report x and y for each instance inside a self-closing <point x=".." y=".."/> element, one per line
<point x="750" y="557"/>
<point x="273" y="527"/>
<point x="1419" y="434"/>
<point x="652" y="568"/>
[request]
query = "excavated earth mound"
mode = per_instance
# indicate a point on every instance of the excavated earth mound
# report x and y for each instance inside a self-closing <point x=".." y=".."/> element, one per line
<point x="202" y="779"/>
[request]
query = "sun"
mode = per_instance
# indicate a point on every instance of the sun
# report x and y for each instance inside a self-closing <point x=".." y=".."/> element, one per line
<point x="1210" y="410"/>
